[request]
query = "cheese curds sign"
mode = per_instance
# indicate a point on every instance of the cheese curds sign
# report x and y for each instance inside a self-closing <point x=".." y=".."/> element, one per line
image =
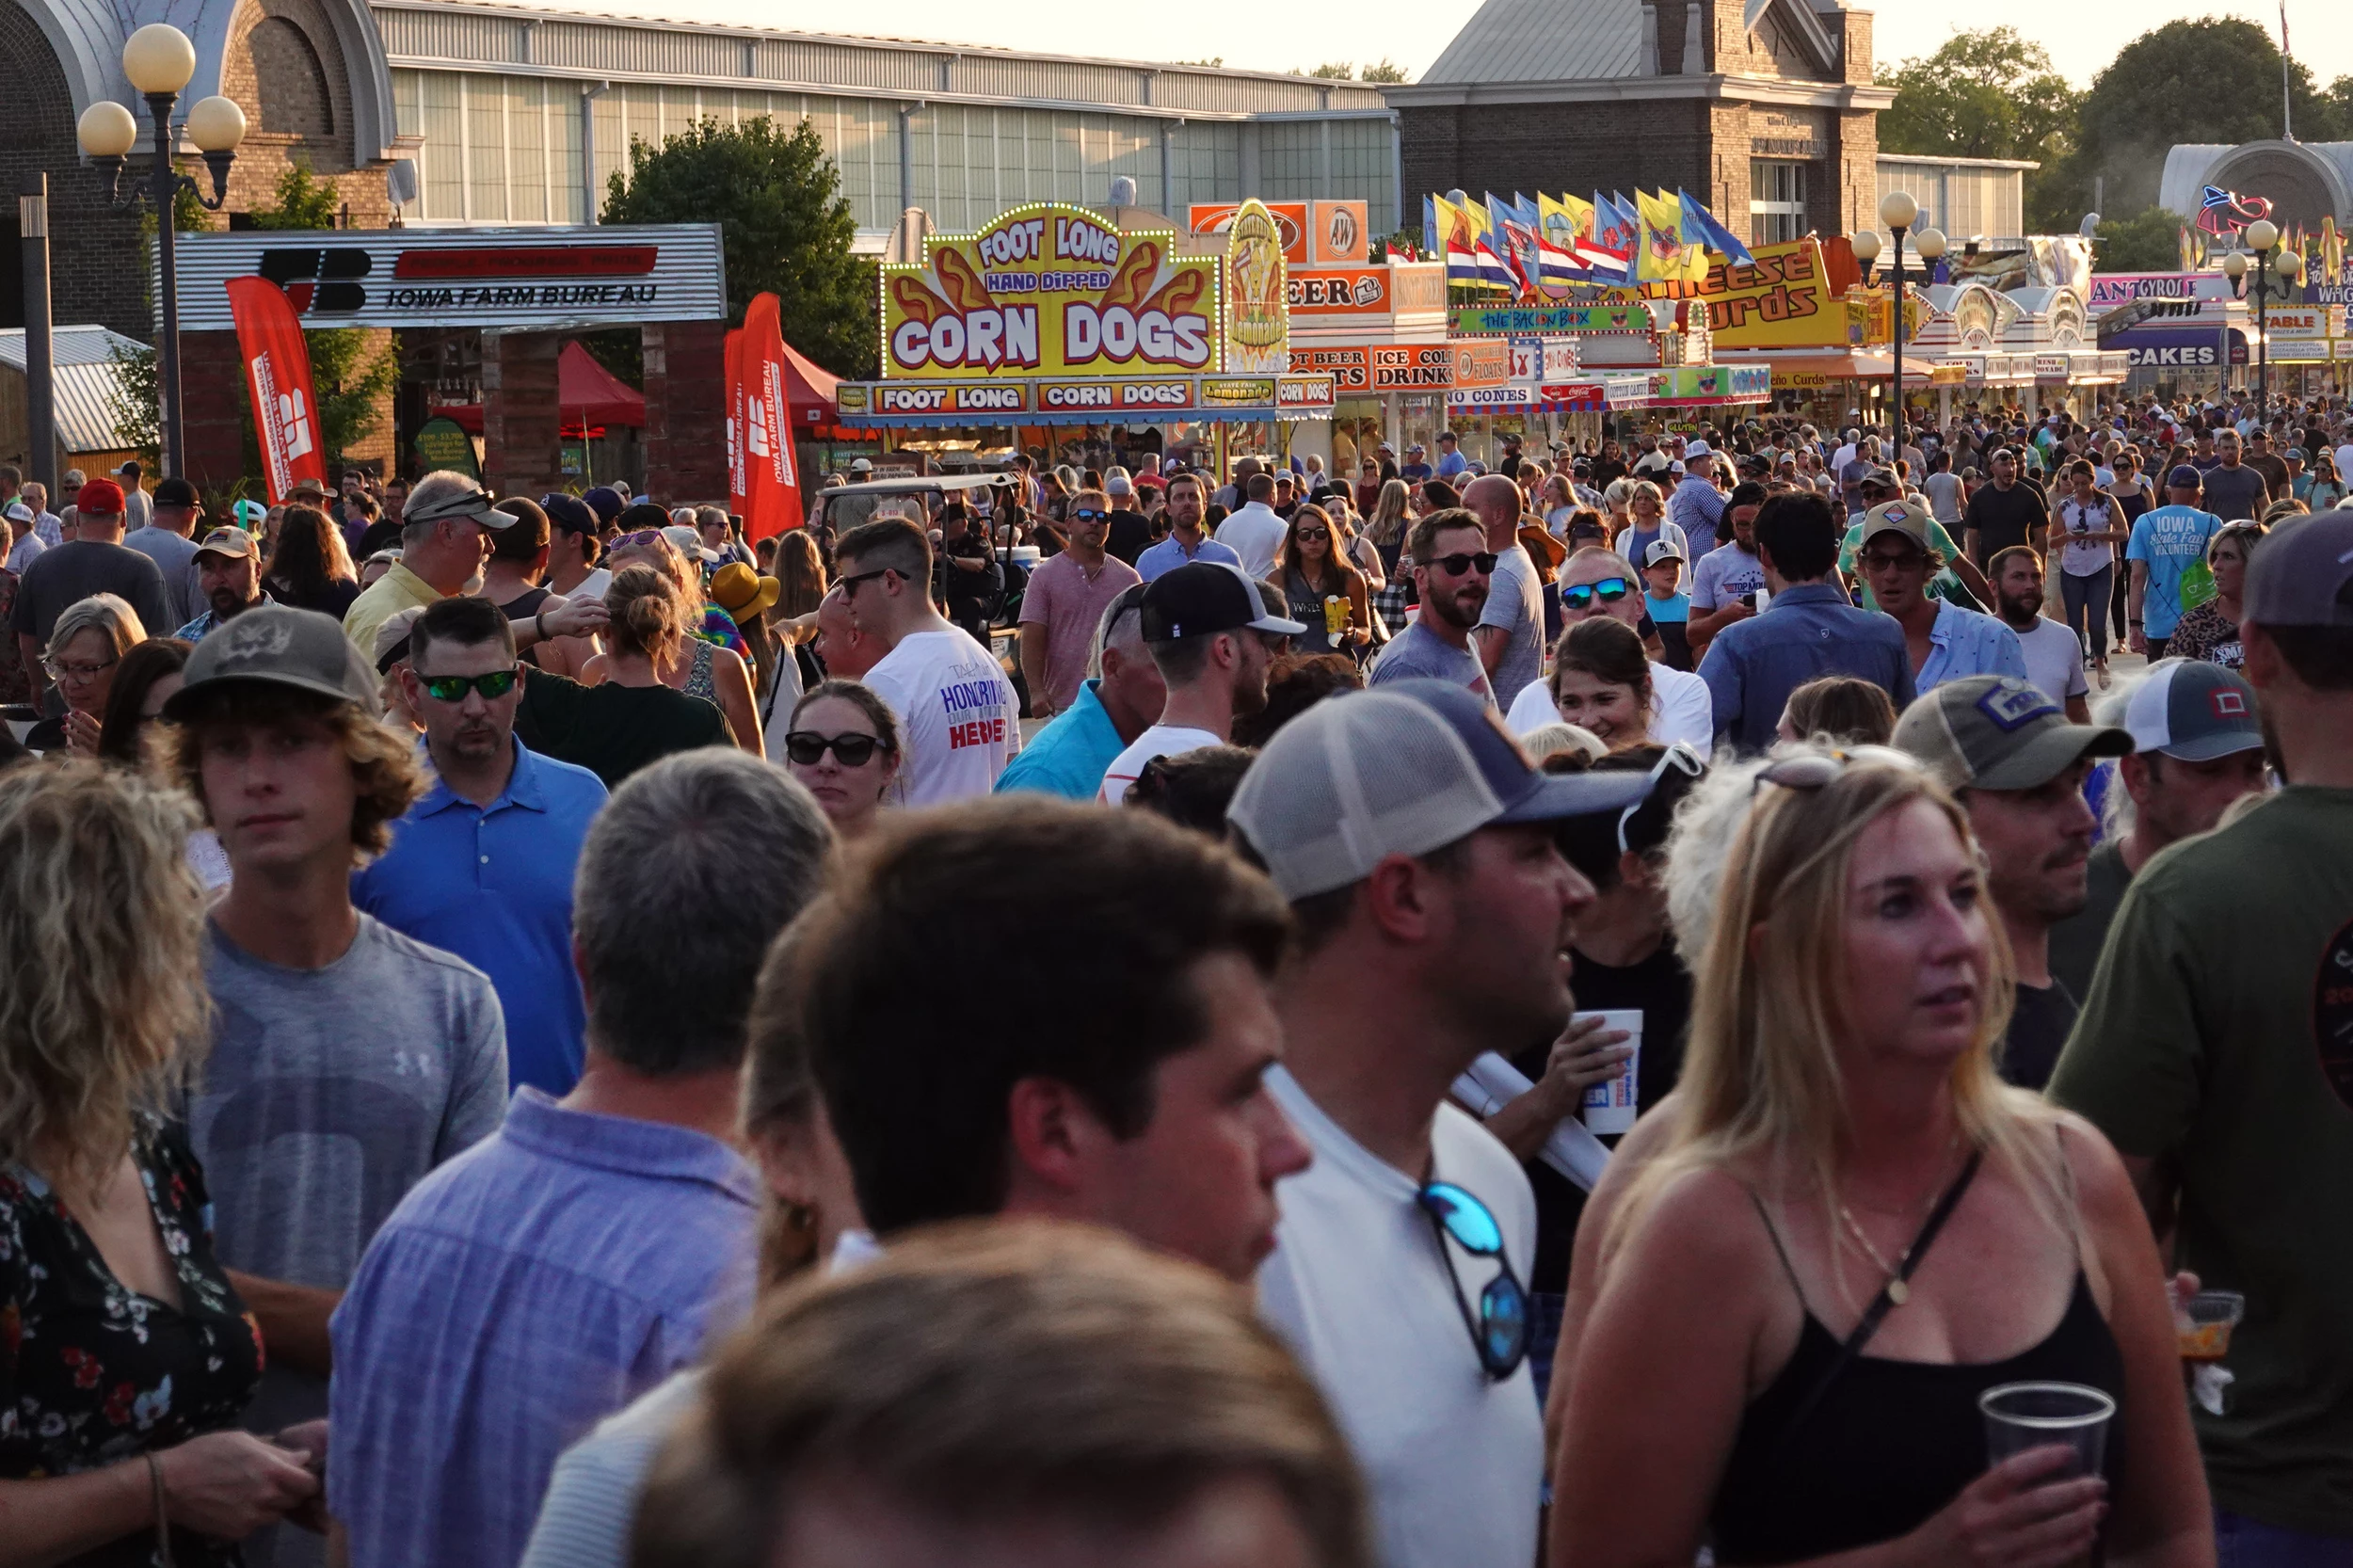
<point x="1055" y="291"/>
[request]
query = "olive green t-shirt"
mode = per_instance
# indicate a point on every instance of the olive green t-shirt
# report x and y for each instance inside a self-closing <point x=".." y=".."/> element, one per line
<point x="2076" y="941"/>
<point x="2219" y="1037"/>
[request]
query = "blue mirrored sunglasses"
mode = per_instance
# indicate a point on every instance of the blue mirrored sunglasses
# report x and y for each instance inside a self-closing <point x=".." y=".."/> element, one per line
<point x="1499" y="1330"/>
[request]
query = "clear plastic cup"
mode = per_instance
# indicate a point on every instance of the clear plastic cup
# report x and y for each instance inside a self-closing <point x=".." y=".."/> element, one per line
<point x="2024" y="1415"/>
<point x="2203" y="1325"/>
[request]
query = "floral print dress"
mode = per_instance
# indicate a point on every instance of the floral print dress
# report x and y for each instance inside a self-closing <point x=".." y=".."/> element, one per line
<point x="96" y="1373"/>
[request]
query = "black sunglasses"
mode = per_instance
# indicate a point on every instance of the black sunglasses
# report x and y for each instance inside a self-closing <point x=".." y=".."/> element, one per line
<point x="808" y="748"/>
<point x="453" y="688"/>
<point x="1455" y="566"/>
<point x="1315" y="534"/>
<point x="1608" y="590"/>
<point x="1499" y="1332"/>
<point x="1088" y="514"/>
<point x="849" y="585"/>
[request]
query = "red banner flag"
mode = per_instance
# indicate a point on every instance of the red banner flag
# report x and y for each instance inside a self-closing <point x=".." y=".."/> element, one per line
<point x="278" y="374"/>
<point x="771" y="488"/>
<point x="739" y="474"/>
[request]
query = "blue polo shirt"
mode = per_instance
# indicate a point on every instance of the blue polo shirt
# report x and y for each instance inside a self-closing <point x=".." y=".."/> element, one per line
<point x="1968" y="642"/>
<point x="495" y="887"/>
<point x="1169" y="554"/>
<point x="1070" y="755"/>
<point x="1808" y="631"/>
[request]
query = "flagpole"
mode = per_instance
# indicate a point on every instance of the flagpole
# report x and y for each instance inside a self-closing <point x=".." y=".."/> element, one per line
<point x="2287" y="106"/>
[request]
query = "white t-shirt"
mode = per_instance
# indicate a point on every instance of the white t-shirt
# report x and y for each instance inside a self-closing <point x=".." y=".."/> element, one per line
<point x="1161" y="739"/>
<point x="1725" y="574"/>
<point x="2079" y="559"/>
<point x="1254" y="533"/>
<point x="962" y="722"/>
<point x="2054" y="660"/>
<point x="1357" y="1286"/>
<point x="1680" y="710"/>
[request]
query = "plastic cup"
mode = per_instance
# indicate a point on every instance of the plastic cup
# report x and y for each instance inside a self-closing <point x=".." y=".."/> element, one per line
<point x="1610" y="1106"/>
<point x="2203" y="1325"/>
<point x="2024" y="1415"/>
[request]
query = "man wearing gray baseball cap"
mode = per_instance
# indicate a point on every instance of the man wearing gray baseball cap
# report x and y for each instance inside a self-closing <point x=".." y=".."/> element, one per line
<point x="2215" y="1051"/>
<point x="2198" y="747"/>
<point x="2008" y="752"/>
<point x="347" y="1060"/>
<point x="1414" y="842"/>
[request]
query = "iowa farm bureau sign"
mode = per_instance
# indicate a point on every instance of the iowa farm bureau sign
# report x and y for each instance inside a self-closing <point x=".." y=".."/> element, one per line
<point x="562" y="277"/>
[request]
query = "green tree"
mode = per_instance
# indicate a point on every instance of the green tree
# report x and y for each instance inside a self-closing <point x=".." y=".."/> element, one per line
<point x="354" y="386"/>
<point x="784" y="225"/>
<point x="1991" y="94"/>
<point x="2149" y="243"/>
<point x="2215" y="79"/>
<point x="1386" y="70"/>
<point x="135" y="401"/>
<point x="1335" y="71"/>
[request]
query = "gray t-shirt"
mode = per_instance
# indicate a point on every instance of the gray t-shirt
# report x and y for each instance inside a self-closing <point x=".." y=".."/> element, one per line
<point x="2236" y="494"/>
<point x="174" y="555"/>
<point x="328" y="1093"/>
<point x="1515" y="603"/>
<point x="1419" y="653"/>
<point x="69" y="572"/>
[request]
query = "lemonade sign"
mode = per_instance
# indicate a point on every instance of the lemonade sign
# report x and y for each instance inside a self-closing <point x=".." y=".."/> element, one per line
<point x="1052" y="290"/>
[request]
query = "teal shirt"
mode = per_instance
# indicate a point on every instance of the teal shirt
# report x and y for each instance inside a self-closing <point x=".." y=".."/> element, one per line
<point x="2171" y="540"/>
<point x="1070" y="755"/>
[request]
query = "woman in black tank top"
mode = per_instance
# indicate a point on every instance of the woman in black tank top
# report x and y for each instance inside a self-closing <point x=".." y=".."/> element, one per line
<point x="1777" y="1349"/>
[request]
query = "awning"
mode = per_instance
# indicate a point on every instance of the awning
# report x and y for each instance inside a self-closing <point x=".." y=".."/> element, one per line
<point x="586" y="392"/>
<point x="1815" y="367"/>
<point x="812" y="387"/>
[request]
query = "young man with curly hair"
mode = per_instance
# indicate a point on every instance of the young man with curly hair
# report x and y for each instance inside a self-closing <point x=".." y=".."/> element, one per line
<point x="346" y="1060"/>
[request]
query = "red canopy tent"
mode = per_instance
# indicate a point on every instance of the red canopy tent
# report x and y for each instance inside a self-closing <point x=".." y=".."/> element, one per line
<point x="590" y="394"/>
<point x="813" y="389"/>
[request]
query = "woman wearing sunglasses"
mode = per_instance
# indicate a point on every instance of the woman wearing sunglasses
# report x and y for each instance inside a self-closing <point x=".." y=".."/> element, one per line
<point x="1844" y="1229"/>
<point x="844" y="748"/>
<point x="1326" y="593"/>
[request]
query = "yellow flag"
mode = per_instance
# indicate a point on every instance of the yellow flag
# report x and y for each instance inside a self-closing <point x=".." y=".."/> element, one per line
<point x="1661" y="255"/>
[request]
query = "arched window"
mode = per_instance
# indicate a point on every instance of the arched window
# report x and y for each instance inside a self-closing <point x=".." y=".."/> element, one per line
<point x="289" y="81"/>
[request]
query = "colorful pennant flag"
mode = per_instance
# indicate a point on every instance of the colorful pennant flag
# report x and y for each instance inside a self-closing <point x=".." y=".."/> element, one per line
<point x="1557" y="242"/>
<point x="1493" y="273"/>
<point x="1663" y="257"/>
<point x="1616" y="233"/>
<point x="1712" y="233"/>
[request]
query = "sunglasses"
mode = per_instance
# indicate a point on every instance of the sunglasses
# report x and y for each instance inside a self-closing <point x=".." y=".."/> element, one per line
<point x="632" y="541"/>
<point x="1608" y="590"/>
<point x="808" y="748"/>
<point x="849" y="585"/>
<point x="1813" y="770"/>
<point x="1499" y="1330"/>
<point x="1455" y="566"/>
<point x="1324" y="533"/>
<point x="453" y="688"/>
<point x="1678" y="756"/>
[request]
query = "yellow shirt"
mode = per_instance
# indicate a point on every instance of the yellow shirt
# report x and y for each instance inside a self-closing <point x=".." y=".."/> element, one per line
<point x="388" y="596"/>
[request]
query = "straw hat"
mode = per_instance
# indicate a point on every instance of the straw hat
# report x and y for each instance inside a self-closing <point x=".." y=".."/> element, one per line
<point x="741" y="592"/>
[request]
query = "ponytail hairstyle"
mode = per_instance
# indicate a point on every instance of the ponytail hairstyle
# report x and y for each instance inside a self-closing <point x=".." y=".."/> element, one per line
<point x="646" y="617"/>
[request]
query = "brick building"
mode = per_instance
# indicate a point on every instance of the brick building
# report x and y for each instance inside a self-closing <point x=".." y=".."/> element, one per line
<point x="1764" y="109"/>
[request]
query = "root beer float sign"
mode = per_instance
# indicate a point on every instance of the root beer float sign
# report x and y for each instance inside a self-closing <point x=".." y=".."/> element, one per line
<point x="1050" y="291"/>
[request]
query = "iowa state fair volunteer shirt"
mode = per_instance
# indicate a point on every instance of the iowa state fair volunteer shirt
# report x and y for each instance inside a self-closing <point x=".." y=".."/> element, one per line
<point x="962" y="723"/>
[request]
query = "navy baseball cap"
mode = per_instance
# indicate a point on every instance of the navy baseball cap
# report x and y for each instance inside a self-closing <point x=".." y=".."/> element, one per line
<point x="2183" y="477"/>
<point x="1201" y="598"/>
<point x="606" y="502"/>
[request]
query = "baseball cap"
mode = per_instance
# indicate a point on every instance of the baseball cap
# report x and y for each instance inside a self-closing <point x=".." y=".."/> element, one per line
<point x="235" y="543"/>
<point x="1884" y="477"/>
<point x="1201" y="598"/>
<point x="862" y="465"/>
<point x="2303" y="573"/>
<point x="2194" y="710"/>
<point x="101" y="496"/>
<point x="1896" y="516"/>
<point x="1661" y="550"/>
<point x="176" y="492"/>
<point x="1697" y="449"/>
<point x="251" y="514"/>
<point x="689" y="543"/>
<point x="639" y="516"/>
<point x="18" y="512"/>
<point x="131" y="469"/>
<point x="477" y="506"/>
<point x="1406" y="769"/>
<point x="1119" y="484"/>
<point x="1999" y="732"/>
<point x="278" y="645"/>
<point x="569" y="513"/>
<point x="2181" y="477"/>
<point x="604" y="501"/>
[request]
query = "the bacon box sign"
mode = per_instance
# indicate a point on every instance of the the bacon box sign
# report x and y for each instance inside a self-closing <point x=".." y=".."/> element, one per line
<point x="1050" y="290"/>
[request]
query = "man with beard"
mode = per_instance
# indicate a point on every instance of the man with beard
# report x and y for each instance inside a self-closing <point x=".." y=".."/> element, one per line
<point x="2054" y="657"/>
<point x="483" y="865"/>
<point x="2017" y="765"/>
<point x="229" y="575"/>
<point x="1451" y="569"/>
<point x="1205" y="628"/>
<point x="1432" y="917"/>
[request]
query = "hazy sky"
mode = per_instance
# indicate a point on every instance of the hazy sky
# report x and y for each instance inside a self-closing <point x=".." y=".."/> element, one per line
<point x="2081" y="35"/>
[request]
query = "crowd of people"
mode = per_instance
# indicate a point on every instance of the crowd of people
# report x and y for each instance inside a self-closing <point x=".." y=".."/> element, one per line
<point x="1583" y="1013"/>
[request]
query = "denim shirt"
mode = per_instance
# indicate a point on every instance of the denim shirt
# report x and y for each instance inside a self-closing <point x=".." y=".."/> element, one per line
<point x="1808" y="631"/>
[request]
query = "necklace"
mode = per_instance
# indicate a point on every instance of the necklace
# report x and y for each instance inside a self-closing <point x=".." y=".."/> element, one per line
<point x="1898" y="1290"/>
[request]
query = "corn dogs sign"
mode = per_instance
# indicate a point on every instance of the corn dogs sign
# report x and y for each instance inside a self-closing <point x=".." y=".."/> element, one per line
<point x="1050" y="291"/>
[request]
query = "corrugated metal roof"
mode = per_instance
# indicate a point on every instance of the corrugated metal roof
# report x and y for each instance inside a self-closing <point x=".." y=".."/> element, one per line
<point x="1542" y="40"/>
<point x="87" y="380"/>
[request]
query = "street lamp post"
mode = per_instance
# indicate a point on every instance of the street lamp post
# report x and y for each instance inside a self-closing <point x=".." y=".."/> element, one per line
<point x="1867" y="251"/>
<point x="2262" y="236"/>
<point x="158" y="60"/>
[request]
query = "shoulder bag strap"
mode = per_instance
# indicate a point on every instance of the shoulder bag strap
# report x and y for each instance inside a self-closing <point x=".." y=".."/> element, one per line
<point x="1882" y="1304"/>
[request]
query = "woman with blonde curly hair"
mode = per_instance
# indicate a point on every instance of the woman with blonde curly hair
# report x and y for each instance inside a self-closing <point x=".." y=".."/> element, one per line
<point x="130" y="1357"/>
<point x="1844" y="1229"/>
